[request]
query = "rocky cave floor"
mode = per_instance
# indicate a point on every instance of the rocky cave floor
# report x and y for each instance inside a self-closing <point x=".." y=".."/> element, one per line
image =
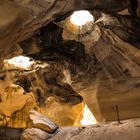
<point x="46" y="129"/>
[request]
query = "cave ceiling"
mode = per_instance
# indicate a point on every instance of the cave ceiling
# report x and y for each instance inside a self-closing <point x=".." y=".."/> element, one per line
<point x="68" y="62"/>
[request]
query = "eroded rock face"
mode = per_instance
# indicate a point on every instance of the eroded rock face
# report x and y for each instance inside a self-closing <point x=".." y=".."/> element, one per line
<point x="15" y="106"/>
<point x="42" y="122"/>
<point x="125" y="130"/>
<point x="29" y="16"/>
<point x="43" y="127"/>
<point x="63" y="114"/>
<point x="107" y="56"/>
<point x="37" y="87"/>
<point x="35" y="134"/>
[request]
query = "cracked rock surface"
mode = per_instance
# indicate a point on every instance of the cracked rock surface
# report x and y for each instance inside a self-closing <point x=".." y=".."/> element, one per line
<point x="100" y="66"/>
<point x="128" y="129"/>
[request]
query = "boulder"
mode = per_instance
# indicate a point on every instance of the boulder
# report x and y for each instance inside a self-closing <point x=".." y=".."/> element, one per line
<point x="42" y="122"/>
<point x="35" y="134"/>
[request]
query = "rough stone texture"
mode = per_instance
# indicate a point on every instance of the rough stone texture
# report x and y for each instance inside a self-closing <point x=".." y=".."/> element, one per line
<point x="106" y="57"/>
<point x="42" y="122"/>
<point x="17" y="112"/>
<point x="10" y="133"/>
<point x="63" y="114"/>
<point x="15" y="106"/>
<point x="127" y="130"/>
<point x="102" y="60"/>
<point x="35" y="134"/>
<point x="102" y="102"/>
<point x="26" y="17"/>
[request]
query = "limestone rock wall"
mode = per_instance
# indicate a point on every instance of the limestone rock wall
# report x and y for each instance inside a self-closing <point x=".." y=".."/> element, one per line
<point x="15" y="105"/>
<point x="109" y="54"/>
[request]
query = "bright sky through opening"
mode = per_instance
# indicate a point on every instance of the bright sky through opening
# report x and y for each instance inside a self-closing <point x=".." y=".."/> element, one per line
<point x="81" y="17"/>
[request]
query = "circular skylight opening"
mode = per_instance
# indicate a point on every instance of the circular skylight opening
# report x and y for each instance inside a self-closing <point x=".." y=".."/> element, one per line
<point x="80" y="18"/>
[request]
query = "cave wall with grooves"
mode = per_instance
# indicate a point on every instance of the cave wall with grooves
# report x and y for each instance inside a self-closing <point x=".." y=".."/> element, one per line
<point x="100" y="67"/>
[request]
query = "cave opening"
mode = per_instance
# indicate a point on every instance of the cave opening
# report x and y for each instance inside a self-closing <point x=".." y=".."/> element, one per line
<point x="69" y="70"/>
<point x="79" y="18"/>
<point x="22" y="67"/>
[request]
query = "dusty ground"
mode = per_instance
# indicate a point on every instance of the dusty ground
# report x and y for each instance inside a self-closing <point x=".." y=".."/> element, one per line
<point x="126" y="130"/>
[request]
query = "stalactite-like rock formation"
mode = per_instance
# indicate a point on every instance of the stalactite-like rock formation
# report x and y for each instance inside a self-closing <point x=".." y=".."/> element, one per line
<point x="98" y="63"/>
<point x="21" y="19"/>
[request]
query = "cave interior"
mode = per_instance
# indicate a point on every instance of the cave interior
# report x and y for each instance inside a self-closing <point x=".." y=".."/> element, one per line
<point x="69" y="69"/>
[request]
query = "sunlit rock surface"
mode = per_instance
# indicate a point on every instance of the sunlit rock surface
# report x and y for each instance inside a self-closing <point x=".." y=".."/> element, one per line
<point x="35" y="134"/>
<point x="17" y="101"/>
<point x="15" y="106"/>
<point x="42" y="127"/>
<point x="128" y="129"/>
<point x="102" y="102"/>
<point x="42" y="122"/>
<point x="101" y="65"/>
<point x="106" y="57"/>
<point x="63" y="114"/>
<point x="19" y="62"/>
<point x="20" y="19"/>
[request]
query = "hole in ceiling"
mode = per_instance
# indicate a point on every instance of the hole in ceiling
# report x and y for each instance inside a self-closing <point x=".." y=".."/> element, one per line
<point x="78" y="25"/>
<point x="82" y="17"/>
